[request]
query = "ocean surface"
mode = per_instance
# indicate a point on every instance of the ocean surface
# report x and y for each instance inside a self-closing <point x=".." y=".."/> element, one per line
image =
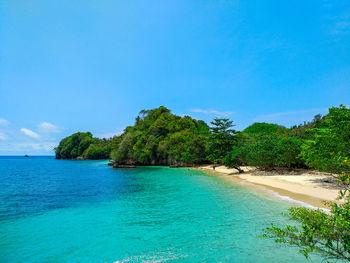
<point x="84" y="211"/>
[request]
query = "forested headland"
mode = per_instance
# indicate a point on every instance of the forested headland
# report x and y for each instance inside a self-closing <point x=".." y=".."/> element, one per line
<point x="159" y="137"/>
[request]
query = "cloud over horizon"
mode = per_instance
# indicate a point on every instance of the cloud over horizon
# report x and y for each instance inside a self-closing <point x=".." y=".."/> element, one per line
<point x="40" y="140"/>
<point x="30" y="133"/>
<point x="4" y="122"/>
<point x="28" y="147"/>
<point x="3" y="136"/>
<point x="48" y="127"/>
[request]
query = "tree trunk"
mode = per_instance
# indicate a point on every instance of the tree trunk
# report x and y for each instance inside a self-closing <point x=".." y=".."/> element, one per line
<point x="239" y="169"/>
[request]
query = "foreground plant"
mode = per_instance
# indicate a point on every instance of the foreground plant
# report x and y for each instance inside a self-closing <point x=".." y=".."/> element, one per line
<point x="317" y="231"/>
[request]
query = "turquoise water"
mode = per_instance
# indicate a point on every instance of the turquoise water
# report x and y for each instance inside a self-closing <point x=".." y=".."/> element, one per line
<point x="84" y="211"/>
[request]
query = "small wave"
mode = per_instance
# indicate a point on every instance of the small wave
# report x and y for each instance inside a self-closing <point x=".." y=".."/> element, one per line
<point x="298" y="202"/>
<point x="159" y="257"/>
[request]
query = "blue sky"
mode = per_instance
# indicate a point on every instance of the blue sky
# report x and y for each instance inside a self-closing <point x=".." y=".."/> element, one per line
<point x="68" y="66"/>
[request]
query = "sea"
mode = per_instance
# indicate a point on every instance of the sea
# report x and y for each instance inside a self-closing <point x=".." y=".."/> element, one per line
<point x="85" y="211"/>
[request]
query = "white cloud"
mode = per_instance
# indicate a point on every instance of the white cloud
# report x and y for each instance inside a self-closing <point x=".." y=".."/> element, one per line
<point x="47" y="146"/>
<point x="48" y="127"/>
<point x="3" y="136"/>
<point x="29" y="133"/>
<point x="4" y="122"/>
<point x="24" y="147"/>
<point x="214" y="112"/>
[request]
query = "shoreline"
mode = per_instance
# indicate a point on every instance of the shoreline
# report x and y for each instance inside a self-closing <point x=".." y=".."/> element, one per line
<point x="309" y="187"/>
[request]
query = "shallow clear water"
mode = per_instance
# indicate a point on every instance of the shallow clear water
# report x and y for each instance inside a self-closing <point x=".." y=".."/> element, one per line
<point x="84" y="211"/>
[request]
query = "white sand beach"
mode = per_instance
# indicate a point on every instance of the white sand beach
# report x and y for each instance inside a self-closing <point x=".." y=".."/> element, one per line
<point x="311" y="187"/>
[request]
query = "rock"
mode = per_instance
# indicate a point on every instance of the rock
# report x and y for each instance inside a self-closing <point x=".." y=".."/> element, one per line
<point x="115" y="165"/>
<point x="127" y="166"/>
<point x="181" y="165"/>
<point x="111" y="163"/>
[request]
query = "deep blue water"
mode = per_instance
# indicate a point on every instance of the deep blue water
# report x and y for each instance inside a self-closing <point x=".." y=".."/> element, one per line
<point x="84" y="211"/>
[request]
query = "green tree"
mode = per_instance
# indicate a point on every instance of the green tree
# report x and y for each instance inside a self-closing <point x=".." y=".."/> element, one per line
<point x="237" y="157"/>
<point x="221" y="139"/>
<point x="162" y="138"/>
<point x="288" y="152"/>
<point x="123" y="151"/>
<point x="315" y="231"/>
<point x="73" y="146"/>
<point x="82" y="144"/>
<point x="97" y="151"/>
<point x="260" y="129"/>
<point x="329" y="141"/>
<point x="264" y="152"/>
<point x="267" y="152"/>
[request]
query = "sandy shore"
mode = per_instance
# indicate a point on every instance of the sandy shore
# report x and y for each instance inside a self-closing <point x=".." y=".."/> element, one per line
<point x="310" y="187"/>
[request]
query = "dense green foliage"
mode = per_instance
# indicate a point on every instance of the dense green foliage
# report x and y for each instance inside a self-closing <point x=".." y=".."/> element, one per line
<point x="266" y="146"/>
<point x="321" y="144"/>
<point x="263" y="128"/>
<point x="316" y="231"/>
<point x="267" y="152"/>
<point x="83" y="145"/>
<point x="320" y="232"/>
<point x="329" y="142"/>
<point x="326" y="147"/>
<point x="221" y="140"/>
<point x="161" y="138"/>
<point x="74" y="145"/>
<point x="97" y="150"/>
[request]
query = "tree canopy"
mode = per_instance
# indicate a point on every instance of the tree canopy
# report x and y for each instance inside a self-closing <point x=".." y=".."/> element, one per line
<point x="162" y="138"/>
<point x="83" y="145"/>
<point x="221" y="139"/>
<point x="263" y="128"/>
<point x="74" y="146"/>
<point x="159" y="137"/>
<point x="316" y="231"/>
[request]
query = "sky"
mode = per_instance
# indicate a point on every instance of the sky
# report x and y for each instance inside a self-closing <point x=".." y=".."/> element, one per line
<point x="68" y="66"/>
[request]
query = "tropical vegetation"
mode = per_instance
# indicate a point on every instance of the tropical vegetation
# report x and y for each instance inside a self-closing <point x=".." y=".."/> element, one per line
<point x="83" y="145"/>
<point x="318" y="231"/>
<point x="159" y="137"/>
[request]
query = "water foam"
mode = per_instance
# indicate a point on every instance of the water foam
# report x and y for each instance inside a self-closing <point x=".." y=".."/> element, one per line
<point x="298" y="202"/>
